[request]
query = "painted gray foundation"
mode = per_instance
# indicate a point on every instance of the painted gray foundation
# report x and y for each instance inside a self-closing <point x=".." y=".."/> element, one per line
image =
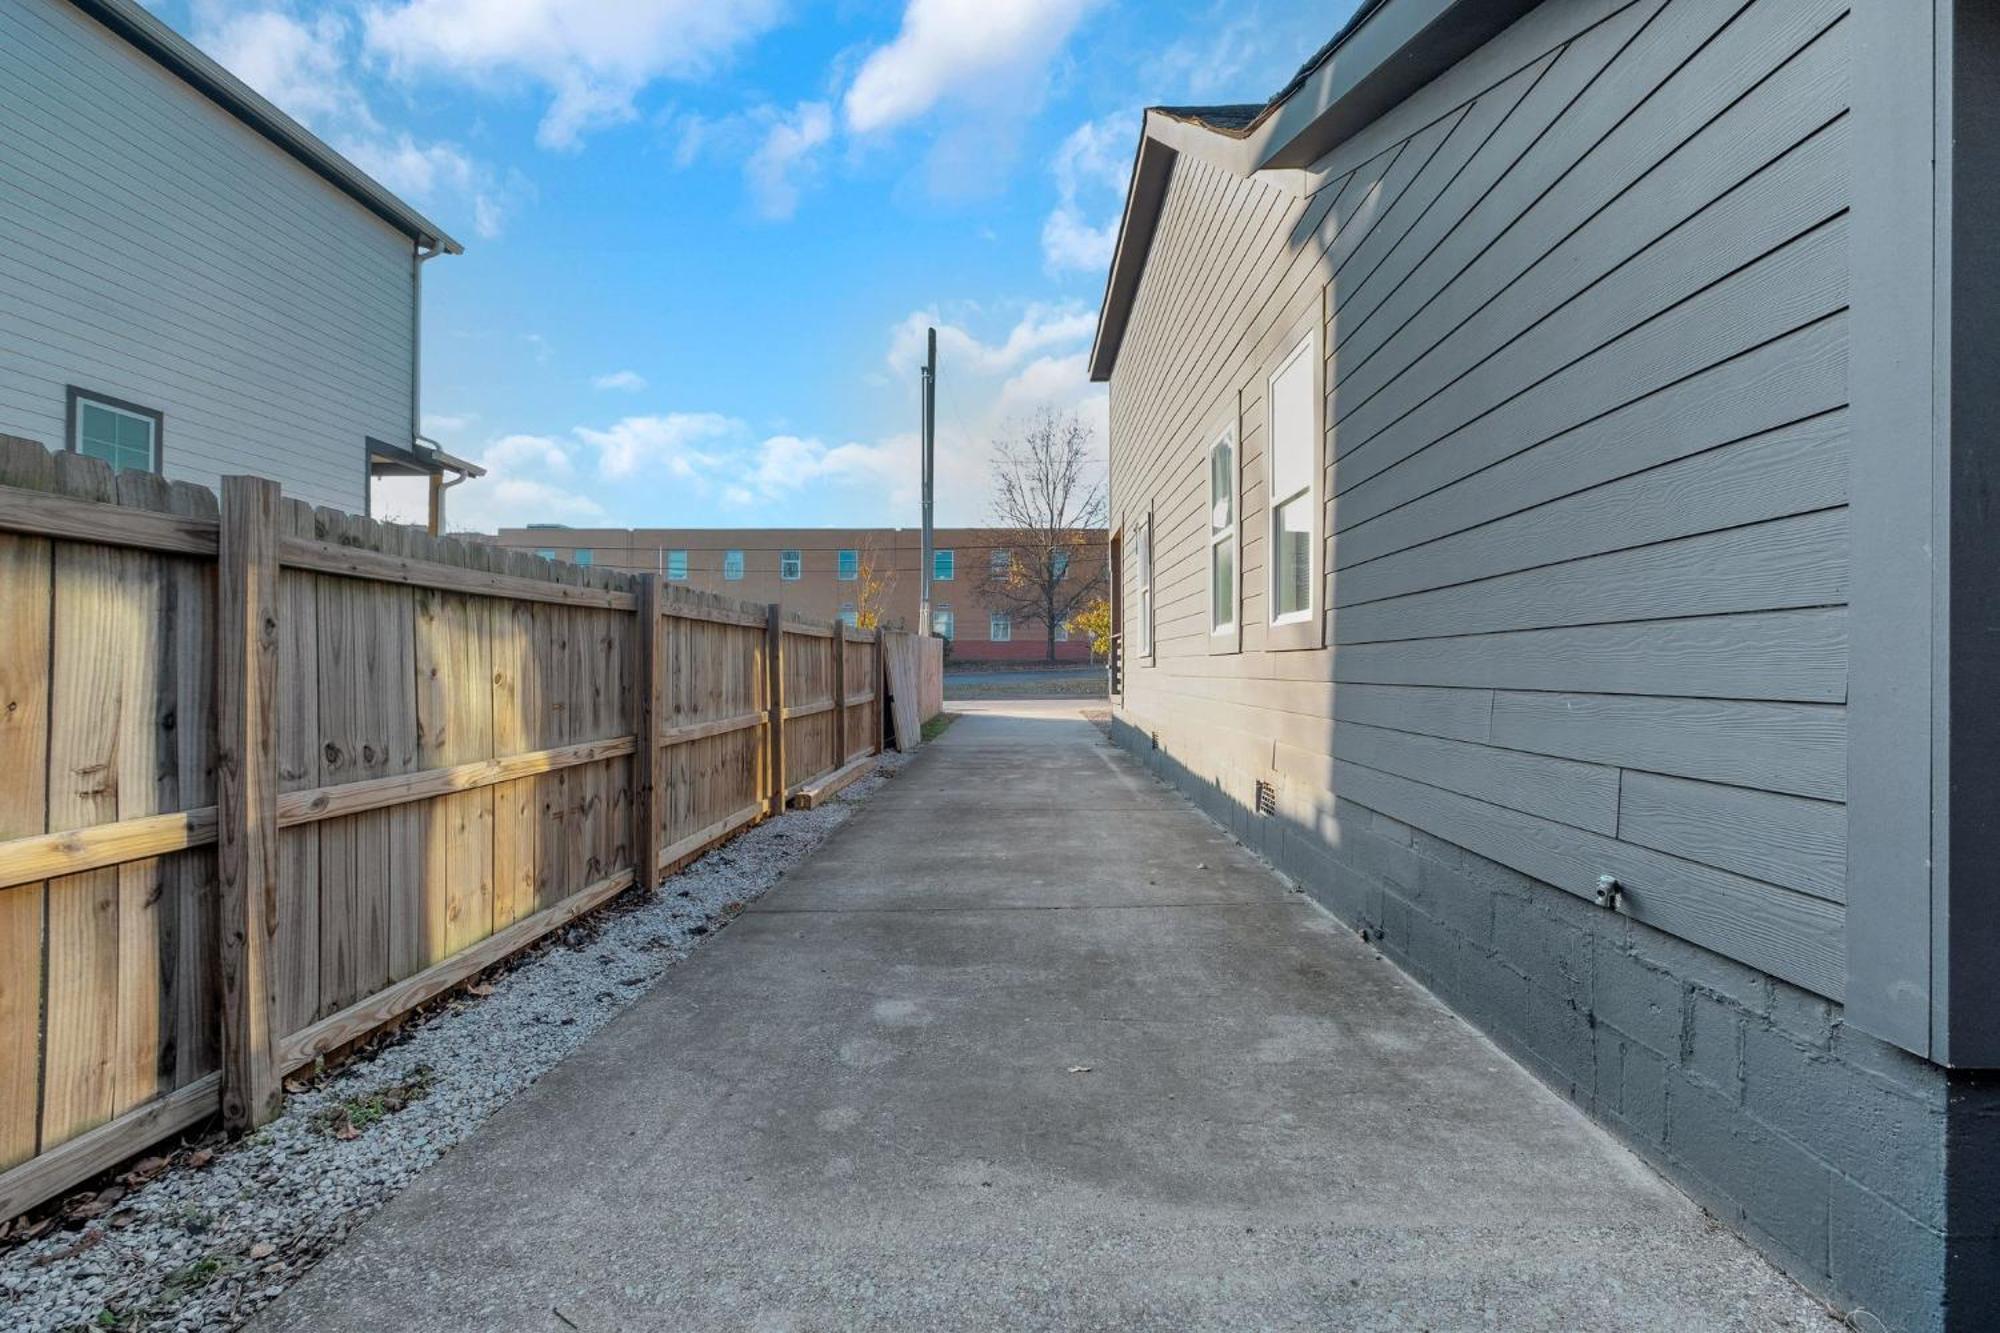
<point x="1868" y="1174"/>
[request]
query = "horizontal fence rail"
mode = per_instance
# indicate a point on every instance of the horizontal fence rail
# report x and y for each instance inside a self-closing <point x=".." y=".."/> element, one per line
<point x="277" y="775"/>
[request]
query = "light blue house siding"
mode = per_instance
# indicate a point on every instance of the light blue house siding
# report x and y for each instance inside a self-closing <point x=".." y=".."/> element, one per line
<point x="157" y="250"/>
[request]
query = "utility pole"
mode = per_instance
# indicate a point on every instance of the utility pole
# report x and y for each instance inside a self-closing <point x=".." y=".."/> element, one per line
<point x="929" y="478"/>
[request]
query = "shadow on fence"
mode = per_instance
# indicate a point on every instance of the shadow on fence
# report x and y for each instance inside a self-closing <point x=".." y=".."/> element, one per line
<point x="276" y="775"/>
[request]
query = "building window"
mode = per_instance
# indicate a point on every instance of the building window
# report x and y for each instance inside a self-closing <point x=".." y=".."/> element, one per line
<point x="850" y="566"/>
<point x="1294" y="484"/>
<point x="1059" y="564"/>
<point x="582" y="557"/>
<point x="790" y="565"/>
<point x="1001" y="564"/>
<point x="943" y="565"/>
<point x="546" y="552"/>
<point x="942" y="623"/>
<point x="1062" y="631"/>
<point x="1000" y="627"/>
<point x="1142" y="581"/>
<point x="732" y="565"/>
<point x="677" y="565"/>
<point x="1222" y="534"/>
<point x="850" y="615"/>
<point x="124" y="435"/>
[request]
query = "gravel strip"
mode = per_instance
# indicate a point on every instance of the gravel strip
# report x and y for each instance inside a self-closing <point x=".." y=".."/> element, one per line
<point x="218" y="1234"/>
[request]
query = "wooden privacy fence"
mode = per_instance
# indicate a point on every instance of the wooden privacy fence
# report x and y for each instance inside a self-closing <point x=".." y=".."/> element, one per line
<point x="271" y="776"/>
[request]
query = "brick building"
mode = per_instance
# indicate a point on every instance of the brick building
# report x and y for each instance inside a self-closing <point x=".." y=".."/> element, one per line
<point x="824" y="572"/>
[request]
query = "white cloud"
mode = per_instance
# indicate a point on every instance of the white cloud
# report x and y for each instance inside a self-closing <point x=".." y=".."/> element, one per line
<point x="304" y="68"/>
<point x="986" y="390"/>
<point x="784" y="160"/>
<point x="654" y="445"/>
<point x="593" y="59"/>
<point x="513" y="452"/>
<point x="625" y="381"/>
<point x="297" y="65"/>
<point x="1068" y="242"/>
<point x="982" y="52"/>
<point x="1061" y="382"/>
<point x="1091" y="165"/>
<point x="499" y="500"/>
<point x="789" y="463"/>
<point x="1038" y="329"/>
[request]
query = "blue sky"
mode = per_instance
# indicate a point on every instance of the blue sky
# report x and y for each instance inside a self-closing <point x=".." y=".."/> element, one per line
<point x="703" y="237"/>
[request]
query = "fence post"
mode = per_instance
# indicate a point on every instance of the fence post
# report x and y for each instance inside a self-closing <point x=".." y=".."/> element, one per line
<point x="246" y="845"/>
<point x="774" y="673"/>
<point x="881" y="689"/>
<point x="649" y="767"/>
<point x="839" y="692"/>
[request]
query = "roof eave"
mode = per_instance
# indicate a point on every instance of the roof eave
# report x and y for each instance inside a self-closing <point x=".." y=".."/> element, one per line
<point x="1402" y="46"/>
<point x="1152" y="167"/>
<point x="142" y="29"/>
<point x="1398" y="47"/>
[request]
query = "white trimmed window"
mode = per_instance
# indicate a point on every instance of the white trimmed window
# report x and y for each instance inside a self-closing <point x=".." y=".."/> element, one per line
<point x="850" y="566"/>
<point x="677" y="565"/>
<point x="1059" y="564"/>
<point x="942" y="623"/>
<point x="1062" y="632"/>
<point x="850" y="615"/>
<point x="1000" y="563"/>
<point x="791" y="564"/>
<point x="944" y="566"/>
<point x="1142" y="587"/>
<point x="1000" y="627"/>
<point x="122" y="434"/>
<point x="1294" y="485"/>
<point x="582" y="557"/>
<point x="1222" y="533"/>
<point x="732" y="565"/>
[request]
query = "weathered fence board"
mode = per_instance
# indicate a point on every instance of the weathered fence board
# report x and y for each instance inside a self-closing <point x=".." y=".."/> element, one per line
<point x="278" y="775"/>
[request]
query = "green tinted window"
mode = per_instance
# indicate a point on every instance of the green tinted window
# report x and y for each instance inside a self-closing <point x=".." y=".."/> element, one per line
<point x="122" y="439"/>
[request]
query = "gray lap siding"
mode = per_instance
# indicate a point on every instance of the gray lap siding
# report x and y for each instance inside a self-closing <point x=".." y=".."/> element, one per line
<point x="1584" y="544"/>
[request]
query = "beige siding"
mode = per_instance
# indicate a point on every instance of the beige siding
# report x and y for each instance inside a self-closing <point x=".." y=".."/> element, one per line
<point x="1585" y="551"/>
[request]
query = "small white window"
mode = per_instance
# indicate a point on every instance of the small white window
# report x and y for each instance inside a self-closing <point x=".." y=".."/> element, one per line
<point x="790" y="565"/>
<point x="1000" y="627"/>
<point x="850" y="566"/>
<point x="1062" y="632"/>
<point x="942" y="624"/>
<point x="122" y="434"/>
<point x="1222" y="546"/>
<point x="1294" y="449"/>
<point x="1142" y="580"/>
<point x="732" y="565"/>
<point x="1001" y="563"/>
<point x="850" y="615"/>
<point x="677" y="565"/>
<point x="943" y="565"/>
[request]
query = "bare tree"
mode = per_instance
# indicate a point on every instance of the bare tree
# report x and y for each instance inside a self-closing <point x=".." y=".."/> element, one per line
<point x="1049" y="503"/>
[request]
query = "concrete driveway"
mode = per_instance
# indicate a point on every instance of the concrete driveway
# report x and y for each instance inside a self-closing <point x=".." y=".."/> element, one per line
<point x="1032" y="1044"/>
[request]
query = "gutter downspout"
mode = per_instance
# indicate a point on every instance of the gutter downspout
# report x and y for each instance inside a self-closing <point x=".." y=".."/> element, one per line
<point x="419" y="256"/>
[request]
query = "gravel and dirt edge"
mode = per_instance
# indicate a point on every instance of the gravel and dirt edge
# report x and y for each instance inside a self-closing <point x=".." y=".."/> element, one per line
<point x="203" y="1237"/>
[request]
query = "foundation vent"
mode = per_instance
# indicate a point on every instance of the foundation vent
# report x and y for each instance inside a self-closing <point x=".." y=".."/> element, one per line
<point x="1267" y="798"/>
